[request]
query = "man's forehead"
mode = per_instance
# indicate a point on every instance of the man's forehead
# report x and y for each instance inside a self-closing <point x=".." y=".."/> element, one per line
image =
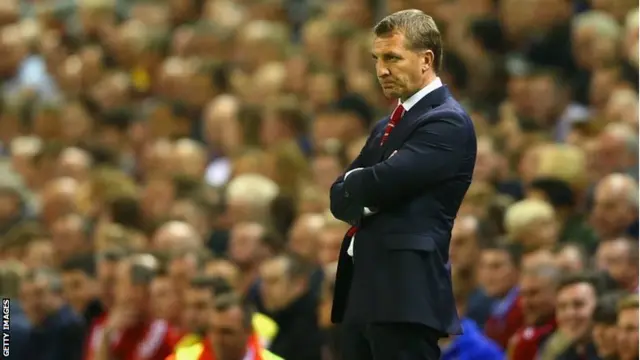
<point x="386" y="43"/>
<point x="229" y="318"/>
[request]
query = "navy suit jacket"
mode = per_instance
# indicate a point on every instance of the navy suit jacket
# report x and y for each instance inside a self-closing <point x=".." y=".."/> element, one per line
<point x="400" y="272"/>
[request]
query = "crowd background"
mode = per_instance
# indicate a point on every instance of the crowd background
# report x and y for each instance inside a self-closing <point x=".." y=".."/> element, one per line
<point x="158" y="156"/>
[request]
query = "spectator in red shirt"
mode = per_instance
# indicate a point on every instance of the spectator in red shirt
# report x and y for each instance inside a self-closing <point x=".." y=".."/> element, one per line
<point x="498" y="273"/>
<point x="537" y="298"/>
<point x="129" y="332"/>
<point x="106" y="264"/>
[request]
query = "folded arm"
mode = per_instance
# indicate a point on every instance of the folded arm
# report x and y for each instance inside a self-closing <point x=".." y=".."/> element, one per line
<point x="433" y="153"/>
<point x="342" y="206"/>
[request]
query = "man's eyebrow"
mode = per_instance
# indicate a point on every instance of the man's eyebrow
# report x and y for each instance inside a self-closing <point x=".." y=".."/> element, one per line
<point x="386" y="54"/>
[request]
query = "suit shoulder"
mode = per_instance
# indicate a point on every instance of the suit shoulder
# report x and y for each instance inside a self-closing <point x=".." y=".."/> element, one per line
<point x="450" y="110"/>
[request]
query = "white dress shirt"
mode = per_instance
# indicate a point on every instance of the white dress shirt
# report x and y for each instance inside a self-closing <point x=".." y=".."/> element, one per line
<point x="407" y="105"/>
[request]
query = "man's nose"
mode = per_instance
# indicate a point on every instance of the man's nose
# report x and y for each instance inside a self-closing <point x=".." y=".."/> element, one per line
<point x="382" y="71"/>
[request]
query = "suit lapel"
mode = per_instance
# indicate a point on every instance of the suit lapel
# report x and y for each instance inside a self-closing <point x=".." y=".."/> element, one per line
<point x="410" y="120"/>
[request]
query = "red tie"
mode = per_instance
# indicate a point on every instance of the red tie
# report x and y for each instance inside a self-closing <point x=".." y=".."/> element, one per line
<point x="396" y="115"/>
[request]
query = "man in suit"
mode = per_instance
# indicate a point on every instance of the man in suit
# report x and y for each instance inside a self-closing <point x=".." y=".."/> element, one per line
<point x="393" y="290"/>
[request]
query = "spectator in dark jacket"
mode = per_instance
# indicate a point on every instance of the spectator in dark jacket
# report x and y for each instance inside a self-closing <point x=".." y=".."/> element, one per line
<point x="57" y="331"/>
<point x="20" y="327"/>
<point x="287" y="299"/>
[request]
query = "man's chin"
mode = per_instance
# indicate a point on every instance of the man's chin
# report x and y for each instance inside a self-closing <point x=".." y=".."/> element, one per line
<point x="390" y="93"/>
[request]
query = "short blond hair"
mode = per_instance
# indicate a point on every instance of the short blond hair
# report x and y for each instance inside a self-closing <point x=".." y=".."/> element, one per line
<point x="562" y="162"/>
<point x="252" y="188"/>
<point x="524" y="213"/>
<point x="628" y="302"/>
<point x="604" y="24"/>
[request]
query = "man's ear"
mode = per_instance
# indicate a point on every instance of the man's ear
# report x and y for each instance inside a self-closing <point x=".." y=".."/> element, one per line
<point x="428" y="58"/>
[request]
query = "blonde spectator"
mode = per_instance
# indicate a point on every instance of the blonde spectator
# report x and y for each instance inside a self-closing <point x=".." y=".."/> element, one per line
<point x="593" y="32"/>
<point x="532" y="223"/>
<point x="249" y="196"/>
<point x="562" y="162"/>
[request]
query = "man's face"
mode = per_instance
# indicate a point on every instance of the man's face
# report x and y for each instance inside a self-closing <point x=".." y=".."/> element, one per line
<point x="612" y="256"/>
<point x="9" y="208"/>
<point x="129" y="294"/>
<point x="244" y="243"/>
<point x="605" y="339"/>
<point x="229" y="334"/>
<point x="326" y="170"/>
<point x="77" y="289"/>
<point x="569" y="259"/>
<point x="540" y="234"/>
<point x="628" y="334"/>
<point x="164" y="299"/>
<point x="400" y="70"/>
<point x="325" y="127"/>
<point x="67" y="236"/>
<point x="611" y="213"/>
<point x="33" y="297"/>
<point x="497" y="273"/>
<point x="329" y="243"/>
<point x="276" y="286"/>
<point x="106" y="271"/>
<point x="574" y="308"/>
<point x="198" y="308"/>
<point x="303" y="239"/>
<point x="463" y="246"/>
<point x="538" y="298"/>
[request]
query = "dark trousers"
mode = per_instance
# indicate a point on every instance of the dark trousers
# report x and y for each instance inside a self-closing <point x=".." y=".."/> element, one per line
<point x="389" y="341"/>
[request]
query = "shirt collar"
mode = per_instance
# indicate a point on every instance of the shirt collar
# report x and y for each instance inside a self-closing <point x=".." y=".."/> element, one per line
<point x="415" y="98"/>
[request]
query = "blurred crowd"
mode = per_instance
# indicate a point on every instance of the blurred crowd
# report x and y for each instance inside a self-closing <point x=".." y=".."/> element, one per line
<point x="165" y="168"/>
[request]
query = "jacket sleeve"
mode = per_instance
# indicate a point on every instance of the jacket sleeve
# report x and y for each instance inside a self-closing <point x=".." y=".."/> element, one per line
<point x="341" y="206"/>
<point x="432" y="154"/>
